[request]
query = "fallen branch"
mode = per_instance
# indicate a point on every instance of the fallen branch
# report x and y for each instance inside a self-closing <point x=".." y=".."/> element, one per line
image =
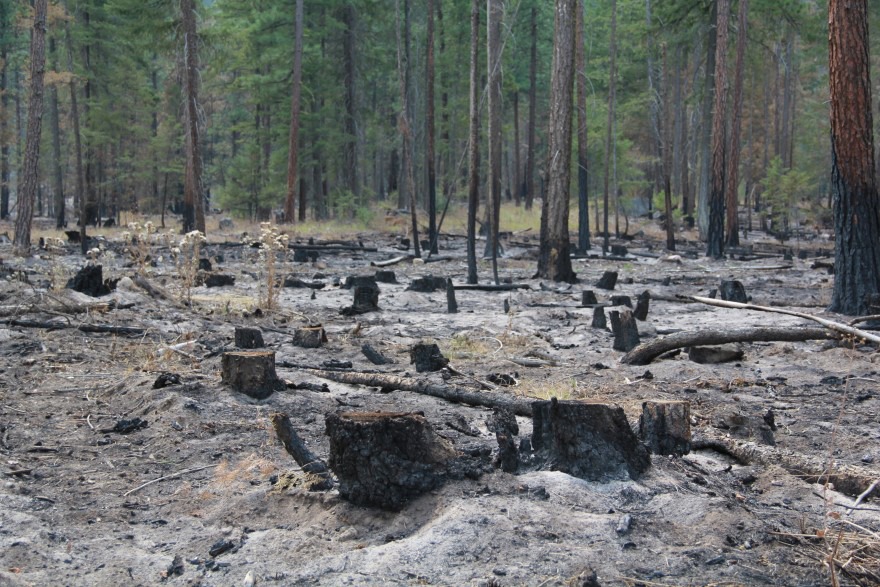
<point x="847" y="479"/>
<point x="492" y="287"/>
<point x="647" y="352"/>
<point x="166" y="477"/>
<point x="838" y="326"/>
<point x="305" y="458"/>
<point x="394" y="261"/>
<point x="96" y="328"/>
<point x="460" y="395"/>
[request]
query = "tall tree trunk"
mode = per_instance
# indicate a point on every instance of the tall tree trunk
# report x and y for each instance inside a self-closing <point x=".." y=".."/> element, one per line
<point x="194" y="205"/>
<point x="429" y="131"/>
<point x="349" y="147"/>
<point x="27" y="190"/>
<point x="581" y="74"/>
<point x="667" y="156"/>
<point x="403" y="195"/>
<point x="656" y="167"/>
<point x="715" y="236"/>
<point x="447" y="168"/>
<point x="609" y="142"/>
<point x="293" y="153"/>
<point x="554" y="257"/>
<point x="403" y="124"/>
<point x="5" y="138"/>
<point x="495" y="15"/>
<point x="787" y="100"/>
<point x="517" y="169"/>
<point x="706" y="126"/>
<point x="79" y="197"/>
<point x="473" y="145"/>
<point x="678" y="122"/>
<point x="853" y="180"/>
<point x="57" y="176"/>
<point x="320" y="195"/>
<point x="533" y="108"/>
<point x="732" y="180"/>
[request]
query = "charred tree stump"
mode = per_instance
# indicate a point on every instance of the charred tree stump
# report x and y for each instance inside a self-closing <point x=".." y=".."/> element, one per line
<point x="503" y="423"/>
<point x="733" y="291"/>
<point x="385" y="276"/>
<point x="599" y="320"/>
<point x="304" y="256"/>
<point x="309" y="337"/>
<point x="619" y="251"/>
<point x="366" y="299"/>
<point x="362" y="281"/>
<point x="248" y="338"/>
<point x="622" y="301"/>
<point x="608" y="280"/>
<point x="305" y="458"/>
<point x="427" y="357"/>
<point x="665" y="427"/>
<point x="386" y="459"/>
<point x="375" y="356"/>
<point x="251" y="373"/>
<point x="451" y="303"/>
<point x="641" y="311"/>
<point x="90" y="281"/>
<point x="588" y="298"/>
<point x="427" y="284"/>
<point x="626" y="332"/>
<point x="219" y="280"/>
<point x="592" y="441"/>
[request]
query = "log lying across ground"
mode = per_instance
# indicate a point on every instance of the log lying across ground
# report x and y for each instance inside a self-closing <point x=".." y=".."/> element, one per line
<point x="96" y="328"/>
<point x="847" y="479"/>
<point x="645" y="353"/>
<point x="520" y="407"/>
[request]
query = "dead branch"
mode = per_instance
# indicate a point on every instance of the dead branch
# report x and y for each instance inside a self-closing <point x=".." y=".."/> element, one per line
<point x="305" y="458"/>
<point x="848" y="479"/>
<point x="838" y="326"/>
<point x="166" y="477"/>
<point x="520" y="407"/>
<point x="492" y="287"/>
<point x="96" y="328"/>
<point x="153" y="290"/>
<point x="394" y="261"/>
<point x="647" y="352"/>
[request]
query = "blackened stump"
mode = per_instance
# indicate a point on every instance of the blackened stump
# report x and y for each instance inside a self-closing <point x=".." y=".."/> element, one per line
<point x="427" y="284"/>
<point x="386" y="459"/>
<point x="219" y="280"/>
<point x="592" y="441"/>
<point x="588" y="298"/>
<point x="309" y="337"/>
<point x="599" y="320"/>
<point x="90" y="281"/>
<point x="385" y="276"/>
<point x="608" y="280"/>
<point x="360" y="281"/>
<point x="427" y="357"/>
<point x="503" y="423"/>
<point x="451" y="303"/>
<point x="248" y="338"/>
<point x="665" y="427"/>
<point x="626" y="332"/>
<point x="251" y="373"/>
<point x="733" y="291"/>
<point x="366" y="299"/>
<point x="622" y="301"/>
<point x="641" y="311"/>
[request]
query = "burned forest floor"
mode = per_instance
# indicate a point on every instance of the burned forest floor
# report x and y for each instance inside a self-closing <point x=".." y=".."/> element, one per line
<point x="125" y="460"/>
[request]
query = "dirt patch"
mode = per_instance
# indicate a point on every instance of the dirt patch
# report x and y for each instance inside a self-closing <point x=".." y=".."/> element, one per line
<point x="199" y="491"/>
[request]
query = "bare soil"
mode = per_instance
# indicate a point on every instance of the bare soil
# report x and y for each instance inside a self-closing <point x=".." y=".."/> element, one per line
<point x="205" y="494"/>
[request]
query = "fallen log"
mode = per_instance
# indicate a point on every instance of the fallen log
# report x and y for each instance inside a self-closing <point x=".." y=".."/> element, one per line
<point x="305" y="458"/>
<point x="492" y="287"/>
<point x="95" y="328"/>
<point x="394" y="261"/>
<point x="647" y="352"/>
<point x="848" y="479"/>
<point x="838" y="326"/>
<point x="449" y="393"/>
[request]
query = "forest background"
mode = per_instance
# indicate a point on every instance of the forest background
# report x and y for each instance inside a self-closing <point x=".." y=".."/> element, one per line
<point x="119" y="66"/>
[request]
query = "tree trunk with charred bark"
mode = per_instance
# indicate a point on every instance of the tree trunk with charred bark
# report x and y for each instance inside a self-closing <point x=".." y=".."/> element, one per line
<point x="853" y="180"/>
<point x="583" y="190"/>
<point x="732" y="179"/>
<point x="554" y="257"/>
<point x="473" y="146"/>
<point x="290" y="208"/>
<point x="27" y="191"/>
<point x="715" y="234"/>
<point x="194" y="205"/>
<point x="609" y="143"/>
<point x="533" y="108"/>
